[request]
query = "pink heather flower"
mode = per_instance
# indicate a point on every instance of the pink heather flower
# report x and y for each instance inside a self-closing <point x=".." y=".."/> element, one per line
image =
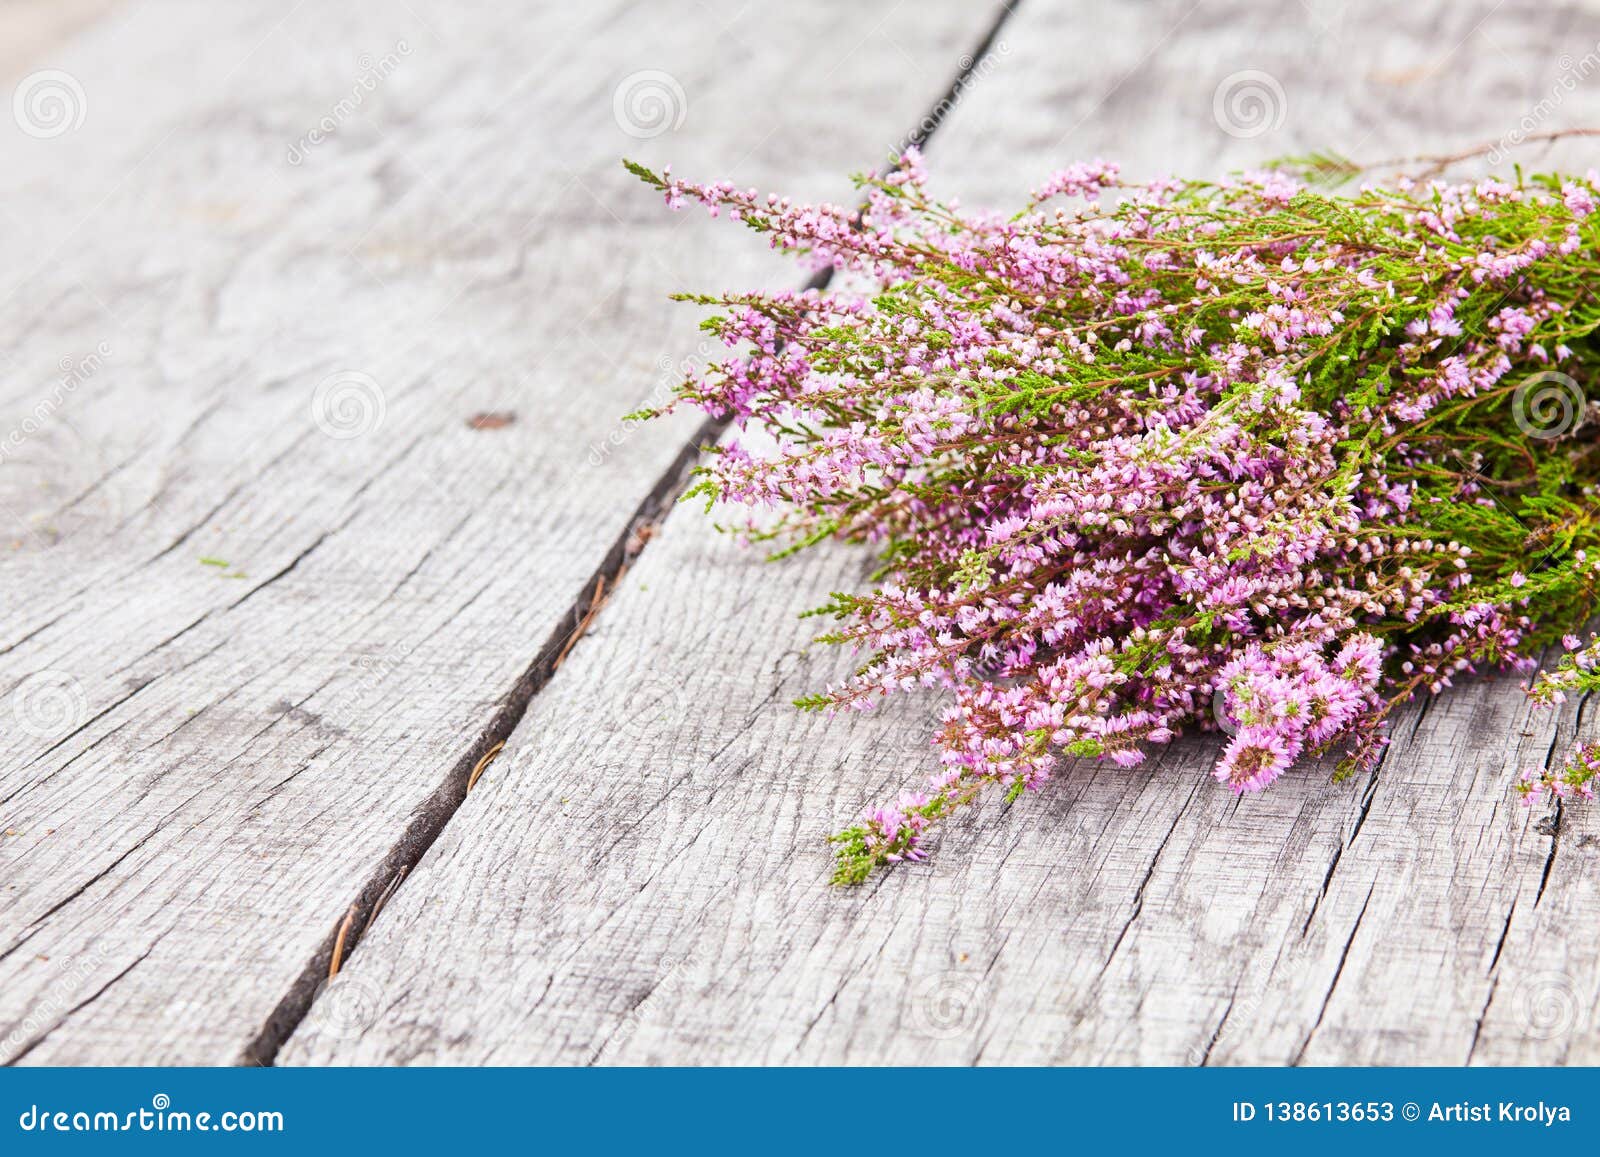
<point x="1084" y="179"/>
<point x="1256" y="757"/>
<point x="1234" y="456"/>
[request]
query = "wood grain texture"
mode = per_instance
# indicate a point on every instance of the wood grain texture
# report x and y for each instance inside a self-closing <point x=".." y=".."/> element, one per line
<point x="641" y="877"/>
<point x="270" y="589"/>
<point x="1205" y="87"/>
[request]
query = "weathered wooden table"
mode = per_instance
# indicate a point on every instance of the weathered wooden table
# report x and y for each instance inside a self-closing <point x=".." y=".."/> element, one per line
<point x="319" y="323"/>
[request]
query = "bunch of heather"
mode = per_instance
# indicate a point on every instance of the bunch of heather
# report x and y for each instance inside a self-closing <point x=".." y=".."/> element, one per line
<point x="1175" y="455"/>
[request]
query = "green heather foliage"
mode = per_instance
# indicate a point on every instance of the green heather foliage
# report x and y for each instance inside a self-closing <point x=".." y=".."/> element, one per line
<point x="1251" y="456"/>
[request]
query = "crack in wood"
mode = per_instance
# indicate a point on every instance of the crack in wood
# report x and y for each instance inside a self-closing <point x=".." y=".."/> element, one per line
<point x="82" y="888"/>
<point x="1483" y="1014"/>
<point x="17" y="1056"/>
<point x="1138" y="895"/>
<point x="1505" y="930"/>
<point x="435" y="814"/>
<point x="1554" y="832"/>
<point x="1216" y="1033"/>
<point x="1300" y="1054"/>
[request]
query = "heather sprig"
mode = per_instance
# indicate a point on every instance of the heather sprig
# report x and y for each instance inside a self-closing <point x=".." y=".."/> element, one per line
<point x="1154" y="456"/>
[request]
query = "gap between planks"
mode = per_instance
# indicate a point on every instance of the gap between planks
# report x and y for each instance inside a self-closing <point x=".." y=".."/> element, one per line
<point x="441" y="807"/>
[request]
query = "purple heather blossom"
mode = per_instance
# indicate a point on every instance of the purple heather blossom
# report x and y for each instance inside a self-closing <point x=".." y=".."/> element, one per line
<point x="1149" y="457"/>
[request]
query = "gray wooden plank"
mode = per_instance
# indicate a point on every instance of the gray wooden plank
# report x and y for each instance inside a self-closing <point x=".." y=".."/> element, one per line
<point x="651" y="886"/>
<point x="1399" y="955"/>
<point x="641" y="877"/>
<point x="229" y="340"/>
